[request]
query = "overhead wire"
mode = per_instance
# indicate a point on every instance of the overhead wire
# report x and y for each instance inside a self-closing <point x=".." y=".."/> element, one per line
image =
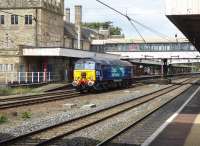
<point x="126" y="16"/>
<point x="135" y="21"/>
<point x="133" y="25"/>
<point x="131" y="20"/>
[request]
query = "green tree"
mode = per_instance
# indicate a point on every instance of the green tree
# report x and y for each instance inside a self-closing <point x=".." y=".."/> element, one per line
<point x="114" y="30"/>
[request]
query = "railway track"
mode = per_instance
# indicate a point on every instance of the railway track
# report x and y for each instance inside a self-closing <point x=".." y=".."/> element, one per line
<point x="107" y="141"/>
<point x="35" y="99"/>
<point x="50" y="134"/>
<point x="41" y="98"/>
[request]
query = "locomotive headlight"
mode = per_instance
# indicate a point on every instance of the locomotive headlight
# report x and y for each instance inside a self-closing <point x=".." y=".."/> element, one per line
<point x="75" y="83"/>
<point x="90" y="83"/>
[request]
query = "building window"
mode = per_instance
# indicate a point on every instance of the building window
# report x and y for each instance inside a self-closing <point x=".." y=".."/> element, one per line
<point x="12" y="67"/>
<point x="14" y="19"/>
<point x="28" y="19"/>
<point x="1" y="67"/>
<point x="6" y="67"/>
<point x="2" y="21"/>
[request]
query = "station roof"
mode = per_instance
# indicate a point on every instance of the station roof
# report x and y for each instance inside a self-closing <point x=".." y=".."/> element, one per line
<point x="64" y="52"/>
<point x="108" y="61"/>
<point x="159" y="55"/>
<point x="185" y="14"/>
<point x="155" y="57"/>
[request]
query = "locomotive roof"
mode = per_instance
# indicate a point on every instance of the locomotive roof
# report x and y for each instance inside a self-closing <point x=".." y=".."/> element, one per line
<point x="107" y="61"/>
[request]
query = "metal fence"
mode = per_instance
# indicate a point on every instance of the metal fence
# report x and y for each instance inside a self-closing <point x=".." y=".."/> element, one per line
<point x="27" y="77"/>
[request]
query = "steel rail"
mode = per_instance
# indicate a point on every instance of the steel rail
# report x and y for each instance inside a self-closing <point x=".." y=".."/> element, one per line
<point x="54" y="95"/>
<point x="46" y="142"/>
<point x="38" y="99"/>
<point x="174" y="87"/>
<point x="9" y="141"/>
<point x="35" y="95"/>
<point x="111" y="138"/>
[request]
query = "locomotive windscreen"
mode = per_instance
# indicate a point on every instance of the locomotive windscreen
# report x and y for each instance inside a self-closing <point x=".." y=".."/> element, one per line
<point x="85" y="65"/>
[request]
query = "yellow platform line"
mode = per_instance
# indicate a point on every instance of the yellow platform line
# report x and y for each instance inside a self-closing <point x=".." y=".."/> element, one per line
<point x="193" y="138"/>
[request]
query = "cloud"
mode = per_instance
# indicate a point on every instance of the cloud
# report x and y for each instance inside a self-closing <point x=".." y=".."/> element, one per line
<point x="148" y="12"/>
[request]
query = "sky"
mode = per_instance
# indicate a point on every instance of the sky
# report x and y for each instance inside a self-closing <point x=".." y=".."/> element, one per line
<point x="148" y="12"/>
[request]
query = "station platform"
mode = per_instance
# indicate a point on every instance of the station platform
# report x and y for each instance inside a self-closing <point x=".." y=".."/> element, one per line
<point x="182" y="129"/>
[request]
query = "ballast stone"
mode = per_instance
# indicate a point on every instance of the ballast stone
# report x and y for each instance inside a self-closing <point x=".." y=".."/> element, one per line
<point x="88" y="106"/>
<point x="69" y="105"/>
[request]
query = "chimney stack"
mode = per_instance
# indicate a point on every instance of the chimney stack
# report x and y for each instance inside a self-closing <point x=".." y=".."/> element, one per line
<point x="78" y="15"/>
<point x="78" y="21"/>
<point x="67" y="15"/>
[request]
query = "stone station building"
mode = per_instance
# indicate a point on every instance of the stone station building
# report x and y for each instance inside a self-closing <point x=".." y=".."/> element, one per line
<point x="37" y="44"/>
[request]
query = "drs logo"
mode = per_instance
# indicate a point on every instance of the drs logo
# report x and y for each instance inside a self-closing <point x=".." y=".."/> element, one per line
<point x="118" y="72"/>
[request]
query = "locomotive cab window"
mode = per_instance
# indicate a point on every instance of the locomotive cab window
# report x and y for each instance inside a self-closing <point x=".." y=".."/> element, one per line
<point x="87" y="65"/>
<point x="90" y="65"/>
<point x="79" y="66"/>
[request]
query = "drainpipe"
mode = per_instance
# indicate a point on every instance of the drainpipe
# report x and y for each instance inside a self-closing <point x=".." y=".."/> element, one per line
<point x="36" y="27"/>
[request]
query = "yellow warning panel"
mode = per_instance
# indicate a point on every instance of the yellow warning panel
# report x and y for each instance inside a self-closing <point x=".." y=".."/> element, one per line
<point x="90" y="74"/>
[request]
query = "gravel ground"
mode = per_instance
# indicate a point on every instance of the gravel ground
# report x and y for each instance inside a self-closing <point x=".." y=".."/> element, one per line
<point x="138" y="134"/>
<point x="93" y="135"/>
<point x="51" y="113"/>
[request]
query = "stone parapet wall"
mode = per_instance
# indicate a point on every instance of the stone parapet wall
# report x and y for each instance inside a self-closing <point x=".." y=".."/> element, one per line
<point x="52" y="5"/>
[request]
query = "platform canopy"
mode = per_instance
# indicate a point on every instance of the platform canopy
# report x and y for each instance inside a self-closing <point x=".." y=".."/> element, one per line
<point x="185" y="14"/>
<point x="173" y="57"/>
<point x="63" y="52"/>
<point x="159" y="55"/>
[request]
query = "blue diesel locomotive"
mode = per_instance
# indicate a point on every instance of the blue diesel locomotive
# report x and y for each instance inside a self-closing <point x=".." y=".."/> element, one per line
<point x="99" y="74"/>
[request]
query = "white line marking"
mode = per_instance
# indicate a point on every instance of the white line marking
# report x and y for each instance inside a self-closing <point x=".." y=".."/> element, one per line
<point x="150" y="139"/>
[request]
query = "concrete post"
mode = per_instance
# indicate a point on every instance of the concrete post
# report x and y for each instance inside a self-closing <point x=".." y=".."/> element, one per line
<point x="32" y="77"/>
<point x="19" y="77"/>
<point x="26" y="77"/>
<point x="38" y="77"/>
<point x="49" y="76"/>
